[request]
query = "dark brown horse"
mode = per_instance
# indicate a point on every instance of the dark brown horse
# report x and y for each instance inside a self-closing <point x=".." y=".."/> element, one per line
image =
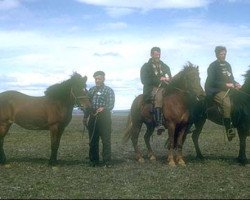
<point x="50" y="112"/>
<point x="178" y="102"/>
<point x="240" y="116"/>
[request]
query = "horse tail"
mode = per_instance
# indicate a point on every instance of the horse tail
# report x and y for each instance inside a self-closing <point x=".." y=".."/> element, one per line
<point x="128" y="132"/>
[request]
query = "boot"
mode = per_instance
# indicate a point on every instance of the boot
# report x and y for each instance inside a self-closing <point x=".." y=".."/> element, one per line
<point x="229" y="129"/>
<point x="158" y="119"/>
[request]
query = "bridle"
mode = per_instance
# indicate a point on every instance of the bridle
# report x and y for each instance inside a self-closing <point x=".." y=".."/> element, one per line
<point x="77" y="99"/>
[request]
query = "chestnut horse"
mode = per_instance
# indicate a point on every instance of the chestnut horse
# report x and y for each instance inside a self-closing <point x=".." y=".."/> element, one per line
<point x="50" y="112"/>
<point x="180" y="98"/>
<point x="240" y="116"/>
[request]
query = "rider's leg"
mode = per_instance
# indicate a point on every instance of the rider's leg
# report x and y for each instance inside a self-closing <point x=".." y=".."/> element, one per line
<point x="224" y="102"/>
<point x="158" y="110"/>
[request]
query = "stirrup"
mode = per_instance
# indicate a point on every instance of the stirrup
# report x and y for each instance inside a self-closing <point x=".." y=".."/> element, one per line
<point x="230" y="134"/>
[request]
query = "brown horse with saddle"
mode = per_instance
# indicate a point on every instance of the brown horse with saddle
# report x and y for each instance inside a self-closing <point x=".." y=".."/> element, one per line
<point x="50" y="112"/>
<point x="180" y="98"/>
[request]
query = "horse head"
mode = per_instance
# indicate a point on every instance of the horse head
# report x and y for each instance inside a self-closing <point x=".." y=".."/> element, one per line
<point x="246" y="85"/>
<point x="72" y="91"/>
<point x="189" y="80"/>
<point x="78" y="91"/>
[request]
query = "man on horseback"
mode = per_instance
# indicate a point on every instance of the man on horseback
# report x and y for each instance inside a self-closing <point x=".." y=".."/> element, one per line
<point x="154" y="75"/>
<point x="219" y="82"/>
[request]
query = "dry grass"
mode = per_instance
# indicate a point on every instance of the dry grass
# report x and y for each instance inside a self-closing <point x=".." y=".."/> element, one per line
<point x="27" y="174"/>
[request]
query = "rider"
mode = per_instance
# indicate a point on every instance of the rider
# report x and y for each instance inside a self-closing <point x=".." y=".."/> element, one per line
<point x="154" y="75"/>
<point x="219" y="82"/>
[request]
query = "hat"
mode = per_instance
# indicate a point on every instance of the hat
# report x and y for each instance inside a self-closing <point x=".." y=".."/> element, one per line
<point x="99" y="73"/>
<point x="218" y="49"/>
<point x="155" y="49"/>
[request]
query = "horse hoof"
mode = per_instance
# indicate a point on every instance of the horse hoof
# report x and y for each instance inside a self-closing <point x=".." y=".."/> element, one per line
<point x="141" y="160"/>
<point x="7" y="166"/>
<point x="242" y="161"/>
<point x="55" y="168"/>
<point x="171" y="163"/>
<point x="53" y="164"/>
<point x="200" y="157"/>
<point x="152" y="158"/>
<point x="181" y="163"/>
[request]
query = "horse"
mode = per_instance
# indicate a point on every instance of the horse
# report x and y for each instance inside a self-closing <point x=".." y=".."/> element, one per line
<point x="52" y="112"/>
<point x="240" y="116"/>
<point x="181" y="95"/>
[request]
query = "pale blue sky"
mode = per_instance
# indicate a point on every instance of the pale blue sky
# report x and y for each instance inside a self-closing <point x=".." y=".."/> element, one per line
<point x="43" y="41"/>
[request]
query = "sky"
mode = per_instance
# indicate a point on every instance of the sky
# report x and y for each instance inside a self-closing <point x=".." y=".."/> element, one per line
<point x="42" y="42"/>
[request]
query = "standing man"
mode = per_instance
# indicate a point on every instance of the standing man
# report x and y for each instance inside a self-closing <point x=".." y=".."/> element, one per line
<point x="154" y="75"/>
<point x="99" y="125"/>
<point x="219" y="82"/>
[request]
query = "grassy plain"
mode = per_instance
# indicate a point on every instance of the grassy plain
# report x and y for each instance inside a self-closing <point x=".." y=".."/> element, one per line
<point x="28" y="176"/>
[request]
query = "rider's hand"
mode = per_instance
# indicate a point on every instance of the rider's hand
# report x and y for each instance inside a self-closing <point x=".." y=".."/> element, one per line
<point x="163" y="78"/>
<point x="229" y="85"/>
<point x="237" y="86"/>
<point x="100" y="109"/>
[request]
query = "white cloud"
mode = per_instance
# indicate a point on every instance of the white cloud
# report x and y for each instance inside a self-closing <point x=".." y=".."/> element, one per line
<point x="118" y="12"/>
<point x="112" y="26"/>
<point x="9" y="4"/>
<point x="148" y="4"/>
<point x="41" y="59"/>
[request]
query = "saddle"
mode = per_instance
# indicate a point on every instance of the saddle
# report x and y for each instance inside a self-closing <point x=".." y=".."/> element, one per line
<point x="213" y="111"/>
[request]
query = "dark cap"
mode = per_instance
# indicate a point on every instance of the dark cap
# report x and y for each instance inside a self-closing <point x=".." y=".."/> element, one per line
<point x="218" y="49"/>
<point x="99" y="73"/>
<point x="155" y="49"/>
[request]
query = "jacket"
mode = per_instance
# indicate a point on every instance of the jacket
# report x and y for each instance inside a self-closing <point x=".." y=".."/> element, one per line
<point x="218" y="74"/>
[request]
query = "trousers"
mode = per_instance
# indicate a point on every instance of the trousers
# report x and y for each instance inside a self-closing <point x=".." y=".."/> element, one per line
<point x="223" y="100"/>
<point x="99" y="127"/>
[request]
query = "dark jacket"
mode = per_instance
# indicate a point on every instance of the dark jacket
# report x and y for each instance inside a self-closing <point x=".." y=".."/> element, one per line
<point x="150" y="79"/>
<point x="218" y="74"/>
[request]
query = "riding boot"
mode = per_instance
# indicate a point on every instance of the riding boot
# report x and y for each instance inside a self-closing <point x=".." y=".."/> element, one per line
<point x="229" y="129"/>
<point x="158" y="119"/>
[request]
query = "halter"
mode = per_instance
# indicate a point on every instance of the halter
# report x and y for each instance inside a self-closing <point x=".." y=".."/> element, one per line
<point x="76" y="99"/>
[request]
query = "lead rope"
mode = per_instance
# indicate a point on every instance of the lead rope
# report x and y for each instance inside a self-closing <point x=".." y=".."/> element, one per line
<point x="92" y="135"/>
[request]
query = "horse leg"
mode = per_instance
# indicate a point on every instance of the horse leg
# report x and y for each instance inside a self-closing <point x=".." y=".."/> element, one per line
<point x="170" y="155"/>
<point x="2" y="154"/>
<point x="55" y="135"/>
<point x="148" y="134"/>
<point x="195" y="137"/>
<point x="180" y="142"/>
<point x="3" y="131"/>
<point x="134" y="138"/>
<point x="242" y="159"/>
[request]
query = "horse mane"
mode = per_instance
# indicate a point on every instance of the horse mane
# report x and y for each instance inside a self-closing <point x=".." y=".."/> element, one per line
<point x="241" y="98"/>
<point x="60" y="91"/>
<point x="177" y="80"/>
<point x="246" y="85"/>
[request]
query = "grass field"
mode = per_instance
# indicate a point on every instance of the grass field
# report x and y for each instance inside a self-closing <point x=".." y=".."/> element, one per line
<point x="27" y="174"/>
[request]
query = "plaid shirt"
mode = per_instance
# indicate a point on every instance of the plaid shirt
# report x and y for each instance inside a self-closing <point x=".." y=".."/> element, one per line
<point x="102" y="96"/>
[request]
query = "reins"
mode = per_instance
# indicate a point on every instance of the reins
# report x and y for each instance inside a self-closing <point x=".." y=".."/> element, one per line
<point x="93" y="132"/>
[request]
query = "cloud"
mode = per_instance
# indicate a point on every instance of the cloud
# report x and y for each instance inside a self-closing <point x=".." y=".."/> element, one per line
<point x="106" y="54"/>
<point x="39" y="59"/>
<point x="9" y="4"/>
<point x="112" y="26"/>
<point x="148" y="4"/>
<point x="118" y="12"/>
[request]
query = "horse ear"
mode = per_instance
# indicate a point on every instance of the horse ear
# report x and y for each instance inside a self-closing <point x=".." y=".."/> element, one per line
<point x="197" y="67"/>
<point x="85" y="78"/>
